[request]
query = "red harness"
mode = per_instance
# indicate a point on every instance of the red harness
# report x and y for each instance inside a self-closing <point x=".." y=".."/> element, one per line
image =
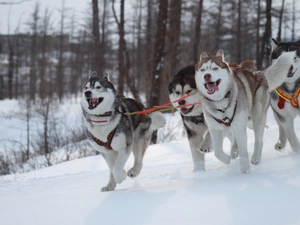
<point x="106" y="144"/>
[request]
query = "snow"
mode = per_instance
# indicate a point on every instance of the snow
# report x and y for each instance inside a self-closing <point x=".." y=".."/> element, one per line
<point x="167" y="192"/>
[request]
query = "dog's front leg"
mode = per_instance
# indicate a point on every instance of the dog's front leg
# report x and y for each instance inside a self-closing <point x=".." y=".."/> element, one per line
<point x="241" y="140"/>
<point x="118" y="168"/>
<point x="217" y="143"/>
<point x="289" y="130"/>
<point x="197" y="155"/>
<point x="205" y="145"/>
<point x="110" y="159"/>
<point x="282" y="138"/>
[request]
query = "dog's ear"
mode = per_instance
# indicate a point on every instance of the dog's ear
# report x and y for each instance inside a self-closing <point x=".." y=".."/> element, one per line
<point x="203" y="56"/>
<point x="274" y="44"/>
<point x="93" y="74"/>
<point x="220" y="53"/>
<point x="106" y="76"/>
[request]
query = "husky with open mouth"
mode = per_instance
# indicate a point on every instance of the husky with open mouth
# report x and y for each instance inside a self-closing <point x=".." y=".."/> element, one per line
<point x="183" y="84"/>
<point x="114" y="133"/>
<point x="285" y="99"/>
<point x="232" y="97"/>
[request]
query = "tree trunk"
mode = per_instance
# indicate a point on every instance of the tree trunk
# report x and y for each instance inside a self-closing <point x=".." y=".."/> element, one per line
<point x="265" y="52"/>
<point x="280" y="21"/>
<point x="96" y="65"/>
<point x="149" y="52"/>
<point x="121" y="79"/>
<point x="158" y="62"/>
<point x="197" y="36"/>
<point x="257" y="31"/>
<point x="60" y="66"/>
<point x="238" y="34"/>
<point x="218" y="27"/>
<point x="172" y="58"/>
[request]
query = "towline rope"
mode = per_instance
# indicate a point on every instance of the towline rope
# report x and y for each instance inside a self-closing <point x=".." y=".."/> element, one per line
<point x="165" y="107"/>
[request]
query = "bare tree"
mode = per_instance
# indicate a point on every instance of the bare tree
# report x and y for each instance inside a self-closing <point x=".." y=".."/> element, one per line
<point x="197" y="34"/>
<point x="43" y="63"/>
<point x="96" y="63"/>
<point x="280" y="21"/>
<point x="265" y="51"/>
<point x="60" y="67"/>
<point x="122" y="46"/>
<point x="33" y="53"/>
<point x="158" y="62"/>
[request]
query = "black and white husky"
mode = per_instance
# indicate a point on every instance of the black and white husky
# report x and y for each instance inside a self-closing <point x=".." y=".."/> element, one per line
<point x="233" y="97"/>
<point x="182" y="84"/>
<point x="113" y="133"/>
<point x="285" y="99"/>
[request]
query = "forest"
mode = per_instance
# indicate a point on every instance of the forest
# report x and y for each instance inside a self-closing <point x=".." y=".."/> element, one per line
<point x="146" y="45"/>
<point x="140" y="43"/>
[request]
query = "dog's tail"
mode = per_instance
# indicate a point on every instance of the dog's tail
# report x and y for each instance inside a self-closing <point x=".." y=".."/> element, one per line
<point x="277" y="73"/>
<point x="158" y="120"/>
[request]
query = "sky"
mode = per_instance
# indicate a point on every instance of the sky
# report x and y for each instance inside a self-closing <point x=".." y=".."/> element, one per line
<point x="167" y="192"/>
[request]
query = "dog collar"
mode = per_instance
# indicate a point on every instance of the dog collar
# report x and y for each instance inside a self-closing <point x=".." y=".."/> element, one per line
<point x="283" y="96"/>
<point x="226" y="96"/>
<point x="227" y="121"/>
<point x="106" y="144"/>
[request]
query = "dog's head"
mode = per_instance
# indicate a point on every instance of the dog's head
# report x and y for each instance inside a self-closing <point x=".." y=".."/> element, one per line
<point x="98" y="99"/>
<point x="279" y="48"/>
<point x="213" y="76"/>
<point x="183" y="83"/>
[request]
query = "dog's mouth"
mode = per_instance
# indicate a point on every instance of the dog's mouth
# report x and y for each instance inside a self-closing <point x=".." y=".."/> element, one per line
<point x="291" y="73"/>
<point x="186" y="110"/>
<point x="211" y="87"/>
<point x="94" y="102"/>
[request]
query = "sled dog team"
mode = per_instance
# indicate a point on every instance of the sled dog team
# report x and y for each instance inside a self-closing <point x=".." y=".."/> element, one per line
<point x="234" y="96"/>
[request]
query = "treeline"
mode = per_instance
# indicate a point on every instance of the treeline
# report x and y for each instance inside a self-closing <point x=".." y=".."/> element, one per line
<point x="141" y="43"/>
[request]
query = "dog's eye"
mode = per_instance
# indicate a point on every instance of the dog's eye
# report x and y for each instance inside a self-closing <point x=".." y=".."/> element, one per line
<point x="86" y="87"/>
<point x="98" y="87"/>
<point x="215" y="68"/>
<point x="202" y="70"/>
<point x="177" y="93"/>
<point x="189" y="91"/>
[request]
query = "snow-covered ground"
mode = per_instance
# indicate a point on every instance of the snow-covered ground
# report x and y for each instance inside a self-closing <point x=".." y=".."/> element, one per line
<point x="167" y="192"/>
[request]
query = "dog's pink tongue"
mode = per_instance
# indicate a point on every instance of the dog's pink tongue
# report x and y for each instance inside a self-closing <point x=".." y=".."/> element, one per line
<point x="212" y="86"/>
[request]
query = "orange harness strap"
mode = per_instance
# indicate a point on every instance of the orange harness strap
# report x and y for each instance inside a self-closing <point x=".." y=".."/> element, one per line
<point x="293" y="98"/>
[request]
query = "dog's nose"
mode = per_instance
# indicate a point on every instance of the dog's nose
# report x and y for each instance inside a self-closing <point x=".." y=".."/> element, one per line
<point x="88" y="94"/>
<point x="207" y="77"/>
<point x="182" y="102"/>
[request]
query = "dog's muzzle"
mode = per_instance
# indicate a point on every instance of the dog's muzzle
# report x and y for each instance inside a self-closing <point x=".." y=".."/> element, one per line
<point x="92" y="102"/>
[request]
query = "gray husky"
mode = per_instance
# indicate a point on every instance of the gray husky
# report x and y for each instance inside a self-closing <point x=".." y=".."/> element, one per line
<point x="114" y="133"/>
<point x="182" y="84"/>
<point x="231" y="98"/>
<point x="285" y="99"/>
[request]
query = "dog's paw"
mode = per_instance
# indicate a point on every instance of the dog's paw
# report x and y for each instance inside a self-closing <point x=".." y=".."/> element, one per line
<point x="255" y="160"/>
<point x="234" y="153"/>
<point x="204" y="149"/>
<point x="279" y="146"/>
<point x="133" y="172"/>
<point x="107" y="188"/>
<point x="119" y="175"/>
<point x="244" y="166"/>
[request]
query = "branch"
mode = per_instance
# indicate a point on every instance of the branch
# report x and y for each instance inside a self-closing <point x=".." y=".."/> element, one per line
<point x="13" y="3"/>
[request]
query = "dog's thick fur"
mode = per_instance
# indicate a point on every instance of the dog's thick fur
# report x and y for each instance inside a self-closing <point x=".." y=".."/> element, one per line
<point x="232" y="97"/>
<point x="118" y="134"/>
<point x="284" y="111"/>
<point x="183" y="83"/>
